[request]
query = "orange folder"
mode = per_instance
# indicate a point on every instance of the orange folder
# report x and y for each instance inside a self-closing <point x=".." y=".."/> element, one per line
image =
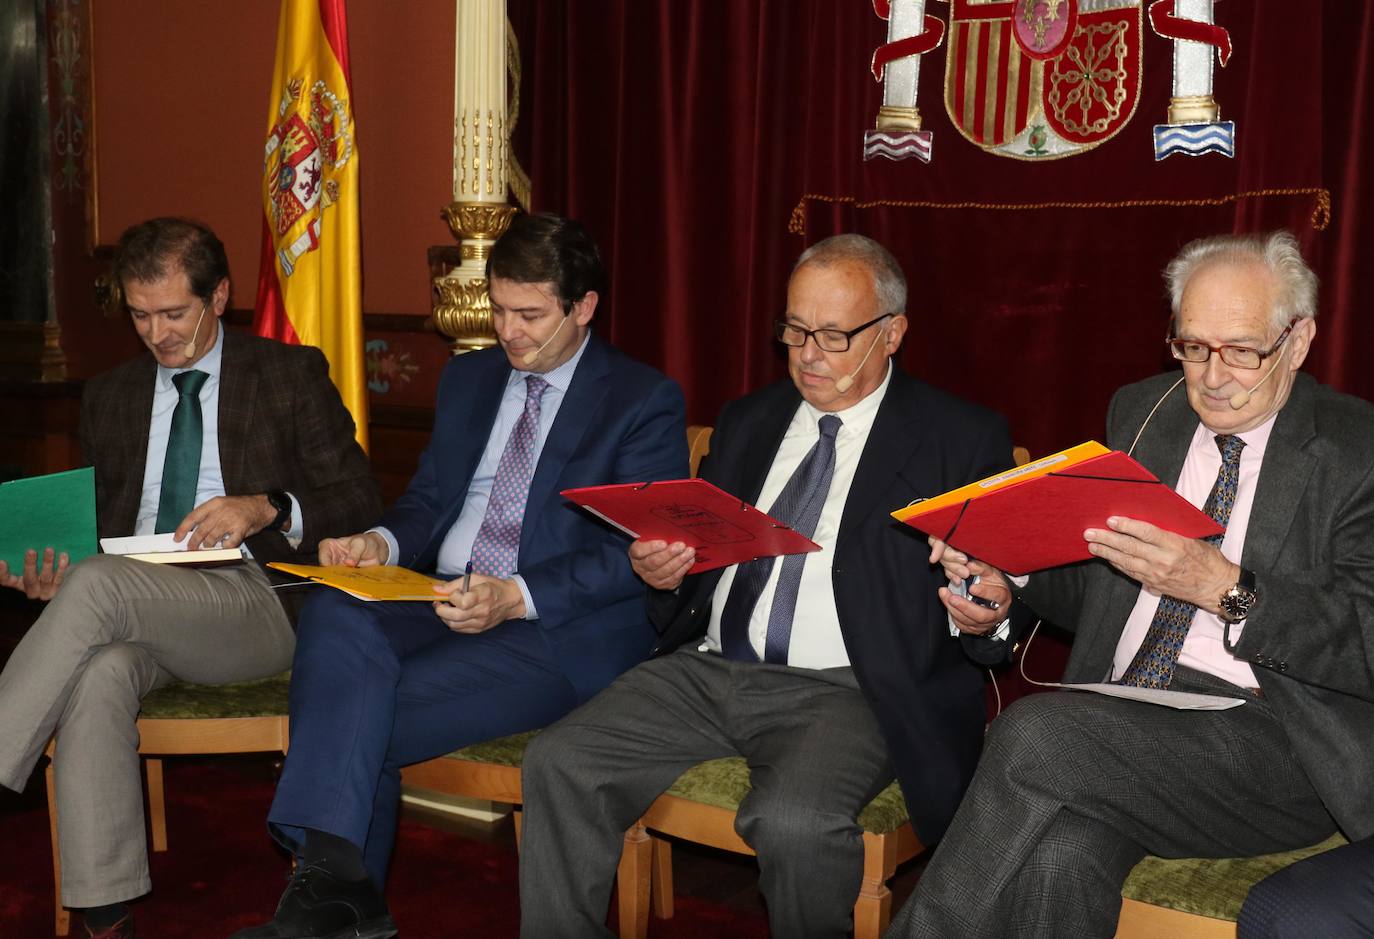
<point x="1033" y="517"/>
<point x="723" y="529"/>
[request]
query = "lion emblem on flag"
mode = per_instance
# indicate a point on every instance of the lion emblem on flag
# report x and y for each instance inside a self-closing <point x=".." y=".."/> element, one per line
<point x="310" y="142"/>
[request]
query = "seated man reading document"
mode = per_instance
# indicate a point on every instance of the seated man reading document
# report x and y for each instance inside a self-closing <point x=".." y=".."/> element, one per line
<point x="550" y="613"/>
<point x="225" y="439"/>
<point x="1074" y="788"/>
<point x="826" y="671"/>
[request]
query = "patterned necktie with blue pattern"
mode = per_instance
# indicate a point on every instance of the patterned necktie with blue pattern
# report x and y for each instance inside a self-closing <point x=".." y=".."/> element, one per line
<point x="1154" y="664"/>
<point x="496" y="549"/>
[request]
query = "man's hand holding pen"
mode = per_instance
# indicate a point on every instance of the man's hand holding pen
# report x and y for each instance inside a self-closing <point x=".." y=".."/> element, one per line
<point x="972" y="618"/>
<point x="477" y="602"/>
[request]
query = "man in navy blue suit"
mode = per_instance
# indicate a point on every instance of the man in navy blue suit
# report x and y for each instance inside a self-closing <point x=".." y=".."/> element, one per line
<point x="550" y="614"/>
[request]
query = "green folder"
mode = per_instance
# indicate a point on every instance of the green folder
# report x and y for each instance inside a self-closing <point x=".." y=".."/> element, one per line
<point x="55" y="511"/>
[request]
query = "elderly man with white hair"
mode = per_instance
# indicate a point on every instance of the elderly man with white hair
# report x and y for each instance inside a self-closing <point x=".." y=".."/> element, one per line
<point x="1074" y="788"/>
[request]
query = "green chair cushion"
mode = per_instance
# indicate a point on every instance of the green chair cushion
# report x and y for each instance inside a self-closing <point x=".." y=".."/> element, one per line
<point x="503" y="751"/>
<point x="1214" y="887"/>
<point x="725" y="782"/>
<point x="262" y="697"/>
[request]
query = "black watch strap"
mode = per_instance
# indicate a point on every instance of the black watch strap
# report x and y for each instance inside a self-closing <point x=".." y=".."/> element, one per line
<point x="282" y="503"/>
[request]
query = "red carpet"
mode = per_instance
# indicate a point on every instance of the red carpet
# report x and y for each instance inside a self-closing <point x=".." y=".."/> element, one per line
<point x="222" y="872"/>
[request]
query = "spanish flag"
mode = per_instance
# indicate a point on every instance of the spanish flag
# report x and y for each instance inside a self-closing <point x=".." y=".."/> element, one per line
<point x="310" y="277"/>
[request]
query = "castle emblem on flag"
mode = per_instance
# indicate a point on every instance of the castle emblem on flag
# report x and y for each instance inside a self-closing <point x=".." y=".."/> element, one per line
<point x="1042" y="79"/>
<point x="310" y="142"/>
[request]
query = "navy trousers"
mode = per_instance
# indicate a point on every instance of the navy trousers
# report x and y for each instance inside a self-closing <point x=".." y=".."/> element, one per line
<point x="1331" y="894"/>
<point x="377" y="686"/>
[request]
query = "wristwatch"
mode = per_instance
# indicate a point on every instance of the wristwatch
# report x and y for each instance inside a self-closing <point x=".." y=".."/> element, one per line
<point x="1236" y="602"/>
<point x="282" y="503"/>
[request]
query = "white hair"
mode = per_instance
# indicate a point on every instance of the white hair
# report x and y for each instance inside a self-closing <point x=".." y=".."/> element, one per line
<point x="1296" y="297"/>
<point x="889" y="283"/>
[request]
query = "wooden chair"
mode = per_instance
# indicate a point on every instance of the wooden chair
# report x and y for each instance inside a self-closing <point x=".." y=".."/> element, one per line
<point x="1197" y="898"/>
<point x="244" y="717"/>
<point x="700" y="807"/>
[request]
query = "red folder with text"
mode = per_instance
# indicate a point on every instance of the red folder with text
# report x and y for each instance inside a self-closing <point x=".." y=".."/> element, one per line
<point x="723" y="529"/>
<point x="1033" y="517"/>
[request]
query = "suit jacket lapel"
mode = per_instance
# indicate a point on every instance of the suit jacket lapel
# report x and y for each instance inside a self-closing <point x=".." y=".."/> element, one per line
<point x="1283" y="478"/>
<point x="238" y="390"/>
<point x="132" y="435"/>
<point x="762" y="438"/>
<point x="892" y="442"/>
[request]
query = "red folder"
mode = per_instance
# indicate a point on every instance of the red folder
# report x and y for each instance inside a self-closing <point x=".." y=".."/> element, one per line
<point x="1038" y="522"/>
<point x="723" y="529"/>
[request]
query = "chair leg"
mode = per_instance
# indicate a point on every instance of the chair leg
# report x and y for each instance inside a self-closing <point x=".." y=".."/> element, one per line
<point x="873" y="909"/>
<point x="632" y="883"/>
<point x="63" y="919"/>
<point x="157" y="805"/>
<point x="519" y="822"/>
<point x="661" y="878"/>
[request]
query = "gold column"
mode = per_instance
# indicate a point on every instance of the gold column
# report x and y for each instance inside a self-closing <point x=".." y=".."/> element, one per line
<point x="479" y="212"/>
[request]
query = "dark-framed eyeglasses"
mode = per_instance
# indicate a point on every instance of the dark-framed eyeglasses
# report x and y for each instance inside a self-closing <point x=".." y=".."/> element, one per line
<point x="1194" y="350"/>
<point x="827" y="340"/>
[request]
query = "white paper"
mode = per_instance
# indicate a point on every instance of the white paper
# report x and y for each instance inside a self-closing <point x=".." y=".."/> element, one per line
<point x="1178" y="700"/>
<point x="142" y="544"/>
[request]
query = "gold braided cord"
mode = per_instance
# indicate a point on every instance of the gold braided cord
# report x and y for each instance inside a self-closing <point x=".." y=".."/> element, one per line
<point x="519" y="180"/>
<point x="1321" y="212"/>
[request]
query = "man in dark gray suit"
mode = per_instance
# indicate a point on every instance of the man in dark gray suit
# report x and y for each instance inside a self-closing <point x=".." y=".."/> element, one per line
<point x="225" y="439"/>
<point x="1074" y="788"/>
<point x="828" y="672"/>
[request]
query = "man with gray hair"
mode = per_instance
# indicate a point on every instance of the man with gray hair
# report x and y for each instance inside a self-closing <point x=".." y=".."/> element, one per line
<point x="1073" y="788"/>
<point x="826" y="671"/>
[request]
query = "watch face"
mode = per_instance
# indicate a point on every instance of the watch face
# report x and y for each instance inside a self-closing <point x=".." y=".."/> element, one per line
<point x="1235" y="603"/>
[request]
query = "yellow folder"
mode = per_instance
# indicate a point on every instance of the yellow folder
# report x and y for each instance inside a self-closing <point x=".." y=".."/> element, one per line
<point x="368" y="583"/>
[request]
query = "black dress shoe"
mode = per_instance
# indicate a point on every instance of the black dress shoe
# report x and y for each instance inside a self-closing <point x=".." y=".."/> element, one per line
<point x="317" y="905"/>
<point x="124" y="929"/>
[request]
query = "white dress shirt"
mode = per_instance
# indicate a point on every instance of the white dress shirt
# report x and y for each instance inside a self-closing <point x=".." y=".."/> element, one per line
<point x="816" y="640"/>
<point x="456" y="549"/>
<point x="210" y="482"/>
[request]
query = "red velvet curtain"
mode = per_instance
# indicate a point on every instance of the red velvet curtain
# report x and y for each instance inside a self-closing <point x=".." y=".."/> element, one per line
<point x="689" y="135"/>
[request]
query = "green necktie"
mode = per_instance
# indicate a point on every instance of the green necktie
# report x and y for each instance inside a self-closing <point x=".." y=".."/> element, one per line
<point x="181" y="468"/>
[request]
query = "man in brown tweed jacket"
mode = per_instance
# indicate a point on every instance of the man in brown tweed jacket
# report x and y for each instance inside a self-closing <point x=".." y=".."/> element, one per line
<point x="255" y="449"/>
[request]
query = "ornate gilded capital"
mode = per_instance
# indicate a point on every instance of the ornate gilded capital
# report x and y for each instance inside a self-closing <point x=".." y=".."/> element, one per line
<point x="486" y="221"/>
<point x="462" y="311"/>
<point x="898" y="119"/>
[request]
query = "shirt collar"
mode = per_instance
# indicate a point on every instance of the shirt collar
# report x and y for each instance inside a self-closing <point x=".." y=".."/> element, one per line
<point x="1256" y="438"/>
<point x="209" y="363"/>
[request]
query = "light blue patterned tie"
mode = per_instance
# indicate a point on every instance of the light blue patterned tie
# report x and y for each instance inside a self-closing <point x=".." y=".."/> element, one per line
<point x="798" y="506"/>
<point x="1154" y="663"/>
<point x="496" y="550"/>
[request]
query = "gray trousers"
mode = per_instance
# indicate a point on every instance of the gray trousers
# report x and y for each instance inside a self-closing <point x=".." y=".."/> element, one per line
<point x="815" y="755"/>
<point x="116" y="630"/>
<point x="1073" y="789"/>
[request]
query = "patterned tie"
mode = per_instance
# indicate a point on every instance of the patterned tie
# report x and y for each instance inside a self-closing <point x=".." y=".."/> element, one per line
<point x="181" y="466"/>
<point x="1154" y="664"/>
<point x="496" y="549"/>
<point x="799" y="507"/>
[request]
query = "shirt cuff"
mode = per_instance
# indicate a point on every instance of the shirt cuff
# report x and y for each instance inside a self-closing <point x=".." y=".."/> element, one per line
<point x="297" y="529"/>
<point x="530" y="612"/>
<point x="392" y="549"/>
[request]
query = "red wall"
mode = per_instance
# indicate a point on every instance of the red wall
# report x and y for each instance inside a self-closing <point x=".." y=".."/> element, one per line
<point x="181" y="107"/>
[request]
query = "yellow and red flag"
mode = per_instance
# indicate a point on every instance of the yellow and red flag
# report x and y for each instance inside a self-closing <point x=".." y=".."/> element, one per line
<point x="310" y="277"/>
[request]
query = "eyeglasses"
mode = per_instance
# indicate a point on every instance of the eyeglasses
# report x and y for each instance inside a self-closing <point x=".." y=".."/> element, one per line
<point x="1193" y="350"/>
<point x="827" y="340"/>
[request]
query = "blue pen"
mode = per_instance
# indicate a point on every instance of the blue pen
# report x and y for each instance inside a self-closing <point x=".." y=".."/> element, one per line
<point x="467" y="576"/>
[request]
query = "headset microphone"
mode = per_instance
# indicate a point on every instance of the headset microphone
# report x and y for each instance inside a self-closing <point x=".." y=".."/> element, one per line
<point x="846" y="382"/>
<point x="532" y="357"/>
<point x="1241" y="398"/>
<point x="189" y="350"/>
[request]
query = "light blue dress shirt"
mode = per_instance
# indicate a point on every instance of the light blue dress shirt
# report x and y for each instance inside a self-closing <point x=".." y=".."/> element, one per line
<point x="456" y="549"/>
